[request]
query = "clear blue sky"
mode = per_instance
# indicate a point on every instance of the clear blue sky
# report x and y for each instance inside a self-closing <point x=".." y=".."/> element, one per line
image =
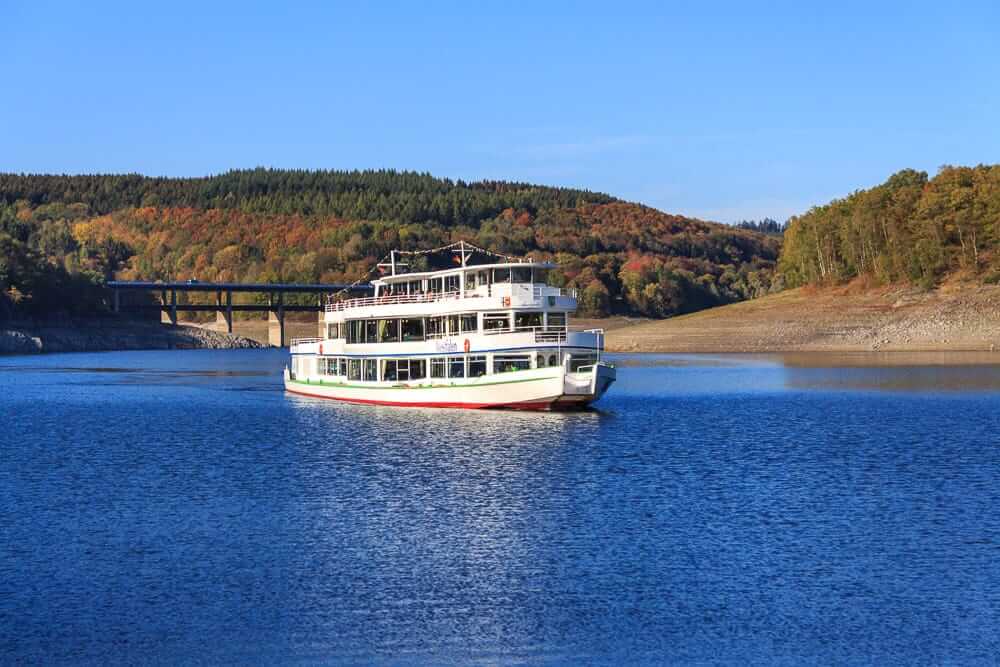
<point x="716" y="110"/>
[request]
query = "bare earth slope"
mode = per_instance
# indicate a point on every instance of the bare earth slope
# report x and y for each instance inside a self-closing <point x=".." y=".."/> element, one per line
<point x="842" y="319"/>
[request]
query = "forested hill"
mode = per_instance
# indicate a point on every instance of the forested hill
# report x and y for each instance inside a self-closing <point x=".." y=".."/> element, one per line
<point x="70" y="232"/>
<point x="907" y="229"/>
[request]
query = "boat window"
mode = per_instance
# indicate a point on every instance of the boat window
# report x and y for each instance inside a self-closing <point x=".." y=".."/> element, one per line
<point x="470" y="323"/>
<point x="435" y="327"/>
<point x="453" y="325"/>
<point x="434" y="285"/>
<point x="439" y="367"/>
<point x="415" y="287"/>
<point x="557" y="320"/>
<point x="501" y="275"/>
<point x="371" y="331"/>
<point x="477" y="366"/>
<point x="506" y="363"/>
<point x="540" y="276"/>
<point x="553" y="361"/>
<point x="496" y="322"/>
<point x="527" y="320"/>
<point x="484" y="277"/>
<point x="470" y="281"/>
<point x="520" y="274"/>
<point x="343" y="367"/>
<point x="578" y="361"/>
<point x="388" y="331"/>
<point x="371" y="370"/>
<point x="354" y="369"/>
<point x="413" y="330"/>
<point x="451" y="283"/>
<point x="389" y="370"/>
<point x="540" y="361"/>
<point x="456" y="367"/>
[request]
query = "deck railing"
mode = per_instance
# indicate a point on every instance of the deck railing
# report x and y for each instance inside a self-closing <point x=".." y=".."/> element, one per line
<point x="538" y="292"/>
<point x="304" y="341"/>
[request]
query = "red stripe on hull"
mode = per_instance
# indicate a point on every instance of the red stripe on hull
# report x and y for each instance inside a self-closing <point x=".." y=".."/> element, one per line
<point x="538" y="405"/>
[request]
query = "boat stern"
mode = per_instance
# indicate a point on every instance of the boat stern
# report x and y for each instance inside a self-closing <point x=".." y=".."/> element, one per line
<point x="587" y="384"/>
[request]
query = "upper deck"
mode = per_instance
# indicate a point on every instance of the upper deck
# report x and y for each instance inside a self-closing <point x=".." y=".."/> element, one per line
<point x="484" y="287"/>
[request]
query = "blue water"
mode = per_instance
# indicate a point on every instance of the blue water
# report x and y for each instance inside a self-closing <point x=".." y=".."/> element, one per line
<point x="178" y="507"/>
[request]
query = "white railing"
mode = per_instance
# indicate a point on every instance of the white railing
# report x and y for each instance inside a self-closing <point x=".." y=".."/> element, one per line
<point x="391" y="299"/>
<point x="538" y="292"/>
<point x="304" y="341"/>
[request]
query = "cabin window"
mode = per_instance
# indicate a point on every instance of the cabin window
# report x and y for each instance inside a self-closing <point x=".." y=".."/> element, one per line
<point x="470" y="323"/>
<point x="413" y="330"/>
<point x="501" y="275"/>
<point x="557" y="320"/>
<point x="524" y="321"/>
<point x="331" y="330"/>
<point x="434" y="285"/>
<point x="371" y="370"/>
<point x="470" y="281"/>
<point x="456" y="367"/>
<point x="507" y="363"/>
<point x="484" y="277"/>
<point x="453" y="325"/>
<point x="578" y="361"/>
<point x="415" y="287"/>
<point x="496" y="322"/>
<point x="540" y="276"/>
<point x="477" y="366"/>
<point x="520" y="274"/>
<point x="439" y="367"/>
<point x="403" y="370"/>
<point x="371" y="331"/>
<point x="451" y="283"/>
<point x="354" y="369"/>
<point x="553" y="360"/>
<point x="435" y="327"/>
<point x="388" y="331"/>
<point x="540" y="361"/>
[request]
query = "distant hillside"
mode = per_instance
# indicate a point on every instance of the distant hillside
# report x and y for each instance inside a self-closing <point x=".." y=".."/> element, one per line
<point x="274" y="225"/>
<point x="908" y="229"/>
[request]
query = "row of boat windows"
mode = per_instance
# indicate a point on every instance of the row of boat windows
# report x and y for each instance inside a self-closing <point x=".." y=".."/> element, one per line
<point x="405" y="330"/>
<point x="471" y="366"/>
<point x="473" y="279"/>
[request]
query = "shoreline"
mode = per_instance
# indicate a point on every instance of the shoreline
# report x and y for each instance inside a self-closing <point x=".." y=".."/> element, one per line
<point x="24" y="337"/>
<point x="956" y="318"/>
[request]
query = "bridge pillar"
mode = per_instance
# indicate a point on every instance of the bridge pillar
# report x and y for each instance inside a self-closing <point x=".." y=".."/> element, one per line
<point x="168" y="312"/>
<point x="224" y="313"/>
<point x="321" y="325"/>
<point x="276" y="321"/>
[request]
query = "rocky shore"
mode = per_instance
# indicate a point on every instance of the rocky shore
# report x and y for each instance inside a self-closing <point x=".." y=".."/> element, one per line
<point x="101" y="335"/>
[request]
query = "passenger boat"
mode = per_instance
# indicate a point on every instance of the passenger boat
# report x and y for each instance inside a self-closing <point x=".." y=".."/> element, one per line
<point x="486" y="332"/>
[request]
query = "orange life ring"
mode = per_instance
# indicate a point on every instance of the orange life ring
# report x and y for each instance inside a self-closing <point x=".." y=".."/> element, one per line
<point x="467" y="346"/>
<point x="506" y="301"/>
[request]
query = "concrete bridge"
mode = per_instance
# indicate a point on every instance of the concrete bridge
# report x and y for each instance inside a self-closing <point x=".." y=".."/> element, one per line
<point x="224" y="306"/>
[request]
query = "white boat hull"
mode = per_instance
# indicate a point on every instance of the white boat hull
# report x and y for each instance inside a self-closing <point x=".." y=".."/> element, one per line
<point x="536" y="389"/>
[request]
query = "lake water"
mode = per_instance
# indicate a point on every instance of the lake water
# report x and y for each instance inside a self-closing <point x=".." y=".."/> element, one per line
<point x="178" y="507"/>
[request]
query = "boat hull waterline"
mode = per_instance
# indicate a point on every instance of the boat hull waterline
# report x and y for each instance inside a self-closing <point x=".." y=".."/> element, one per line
<point x="535" y="390"/>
